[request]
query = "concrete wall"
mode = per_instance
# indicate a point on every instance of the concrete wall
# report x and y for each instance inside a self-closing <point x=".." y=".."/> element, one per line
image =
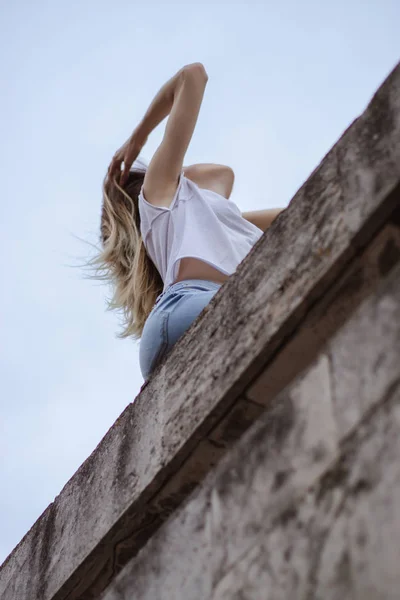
<point x="307" y="505"/>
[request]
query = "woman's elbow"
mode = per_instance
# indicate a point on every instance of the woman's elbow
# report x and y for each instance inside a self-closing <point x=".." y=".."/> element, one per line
<point x="196" y="68"/>
<point x="229" y="177"/>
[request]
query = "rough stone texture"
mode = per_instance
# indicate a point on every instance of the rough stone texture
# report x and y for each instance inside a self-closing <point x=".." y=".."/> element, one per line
<point x="301" y="507"/>
<point x="340" y="541"/>
<point x="329" y="314"/>
<point x="188" y="415"/>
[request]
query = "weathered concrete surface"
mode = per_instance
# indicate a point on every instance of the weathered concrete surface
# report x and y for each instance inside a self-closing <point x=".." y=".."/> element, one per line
<point x="167" y="441"/>
<point x="321" y="322"/>
<point x="301" y="507"/>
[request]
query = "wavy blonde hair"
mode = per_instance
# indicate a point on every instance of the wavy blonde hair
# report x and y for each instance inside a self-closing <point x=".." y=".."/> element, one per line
<point x="123" y="260"/>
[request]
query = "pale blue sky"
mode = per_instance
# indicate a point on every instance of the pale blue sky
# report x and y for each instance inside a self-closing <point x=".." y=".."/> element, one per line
<point x="285" y="80"/>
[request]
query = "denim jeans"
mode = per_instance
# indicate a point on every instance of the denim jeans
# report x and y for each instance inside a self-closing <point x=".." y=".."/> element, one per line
<point x="173" y="313"/>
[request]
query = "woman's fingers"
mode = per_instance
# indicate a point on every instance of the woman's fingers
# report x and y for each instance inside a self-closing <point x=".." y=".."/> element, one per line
<point x="124" y="176"/>
<point x="125" y="171"/>
<point x="126" y="154"/>
<point x="115" y="166"/>
<point x="111" y="166"/>
<point x="128" y="160"/>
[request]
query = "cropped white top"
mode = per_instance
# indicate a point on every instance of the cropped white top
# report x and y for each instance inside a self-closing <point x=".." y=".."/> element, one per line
<point x="198" y="223"/>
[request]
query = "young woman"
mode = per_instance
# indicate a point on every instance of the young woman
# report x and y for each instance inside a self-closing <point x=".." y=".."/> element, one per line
<point x="170" y="235"/>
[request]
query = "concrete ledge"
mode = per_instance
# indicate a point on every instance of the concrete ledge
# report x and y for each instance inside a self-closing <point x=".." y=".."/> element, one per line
<point x="302" y="507"/>
<point x="194" y="407"/>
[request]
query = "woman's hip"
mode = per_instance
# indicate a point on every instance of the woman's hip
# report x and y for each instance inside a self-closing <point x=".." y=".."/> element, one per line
<point x="174" y="312"/>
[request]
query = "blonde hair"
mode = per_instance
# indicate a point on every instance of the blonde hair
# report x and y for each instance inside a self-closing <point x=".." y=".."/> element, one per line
<point x="123" y="260"/>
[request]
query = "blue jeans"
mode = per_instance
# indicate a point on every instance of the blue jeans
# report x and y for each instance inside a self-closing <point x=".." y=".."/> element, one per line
<point x="173" y="313"/>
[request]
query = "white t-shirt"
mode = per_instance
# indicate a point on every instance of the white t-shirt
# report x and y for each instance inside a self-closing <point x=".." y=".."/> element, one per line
<point x="198" y="223"/>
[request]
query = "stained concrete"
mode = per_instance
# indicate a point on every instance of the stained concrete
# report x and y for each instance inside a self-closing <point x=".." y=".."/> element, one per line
<point x="186" y="418"/>
<point x="301" y="507"/>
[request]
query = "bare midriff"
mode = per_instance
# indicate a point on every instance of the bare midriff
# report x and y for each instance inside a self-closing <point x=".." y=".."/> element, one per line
<point x="193" y="268"/>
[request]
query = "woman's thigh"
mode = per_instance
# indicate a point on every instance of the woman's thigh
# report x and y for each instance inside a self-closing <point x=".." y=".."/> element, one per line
<point x="167" y="323"/>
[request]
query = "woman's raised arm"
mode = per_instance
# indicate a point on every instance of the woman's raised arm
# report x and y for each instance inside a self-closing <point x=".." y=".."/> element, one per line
<point x="159" y="108"/>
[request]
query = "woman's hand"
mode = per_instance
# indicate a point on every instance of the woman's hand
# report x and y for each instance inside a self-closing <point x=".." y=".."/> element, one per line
<point x="127" y="154"/>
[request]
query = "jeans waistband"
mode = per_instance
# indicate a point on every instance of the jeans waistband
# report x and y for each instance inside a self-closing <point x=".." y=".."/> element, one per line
<point x="213" y="285"/>
<point x="190" y="282"/>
